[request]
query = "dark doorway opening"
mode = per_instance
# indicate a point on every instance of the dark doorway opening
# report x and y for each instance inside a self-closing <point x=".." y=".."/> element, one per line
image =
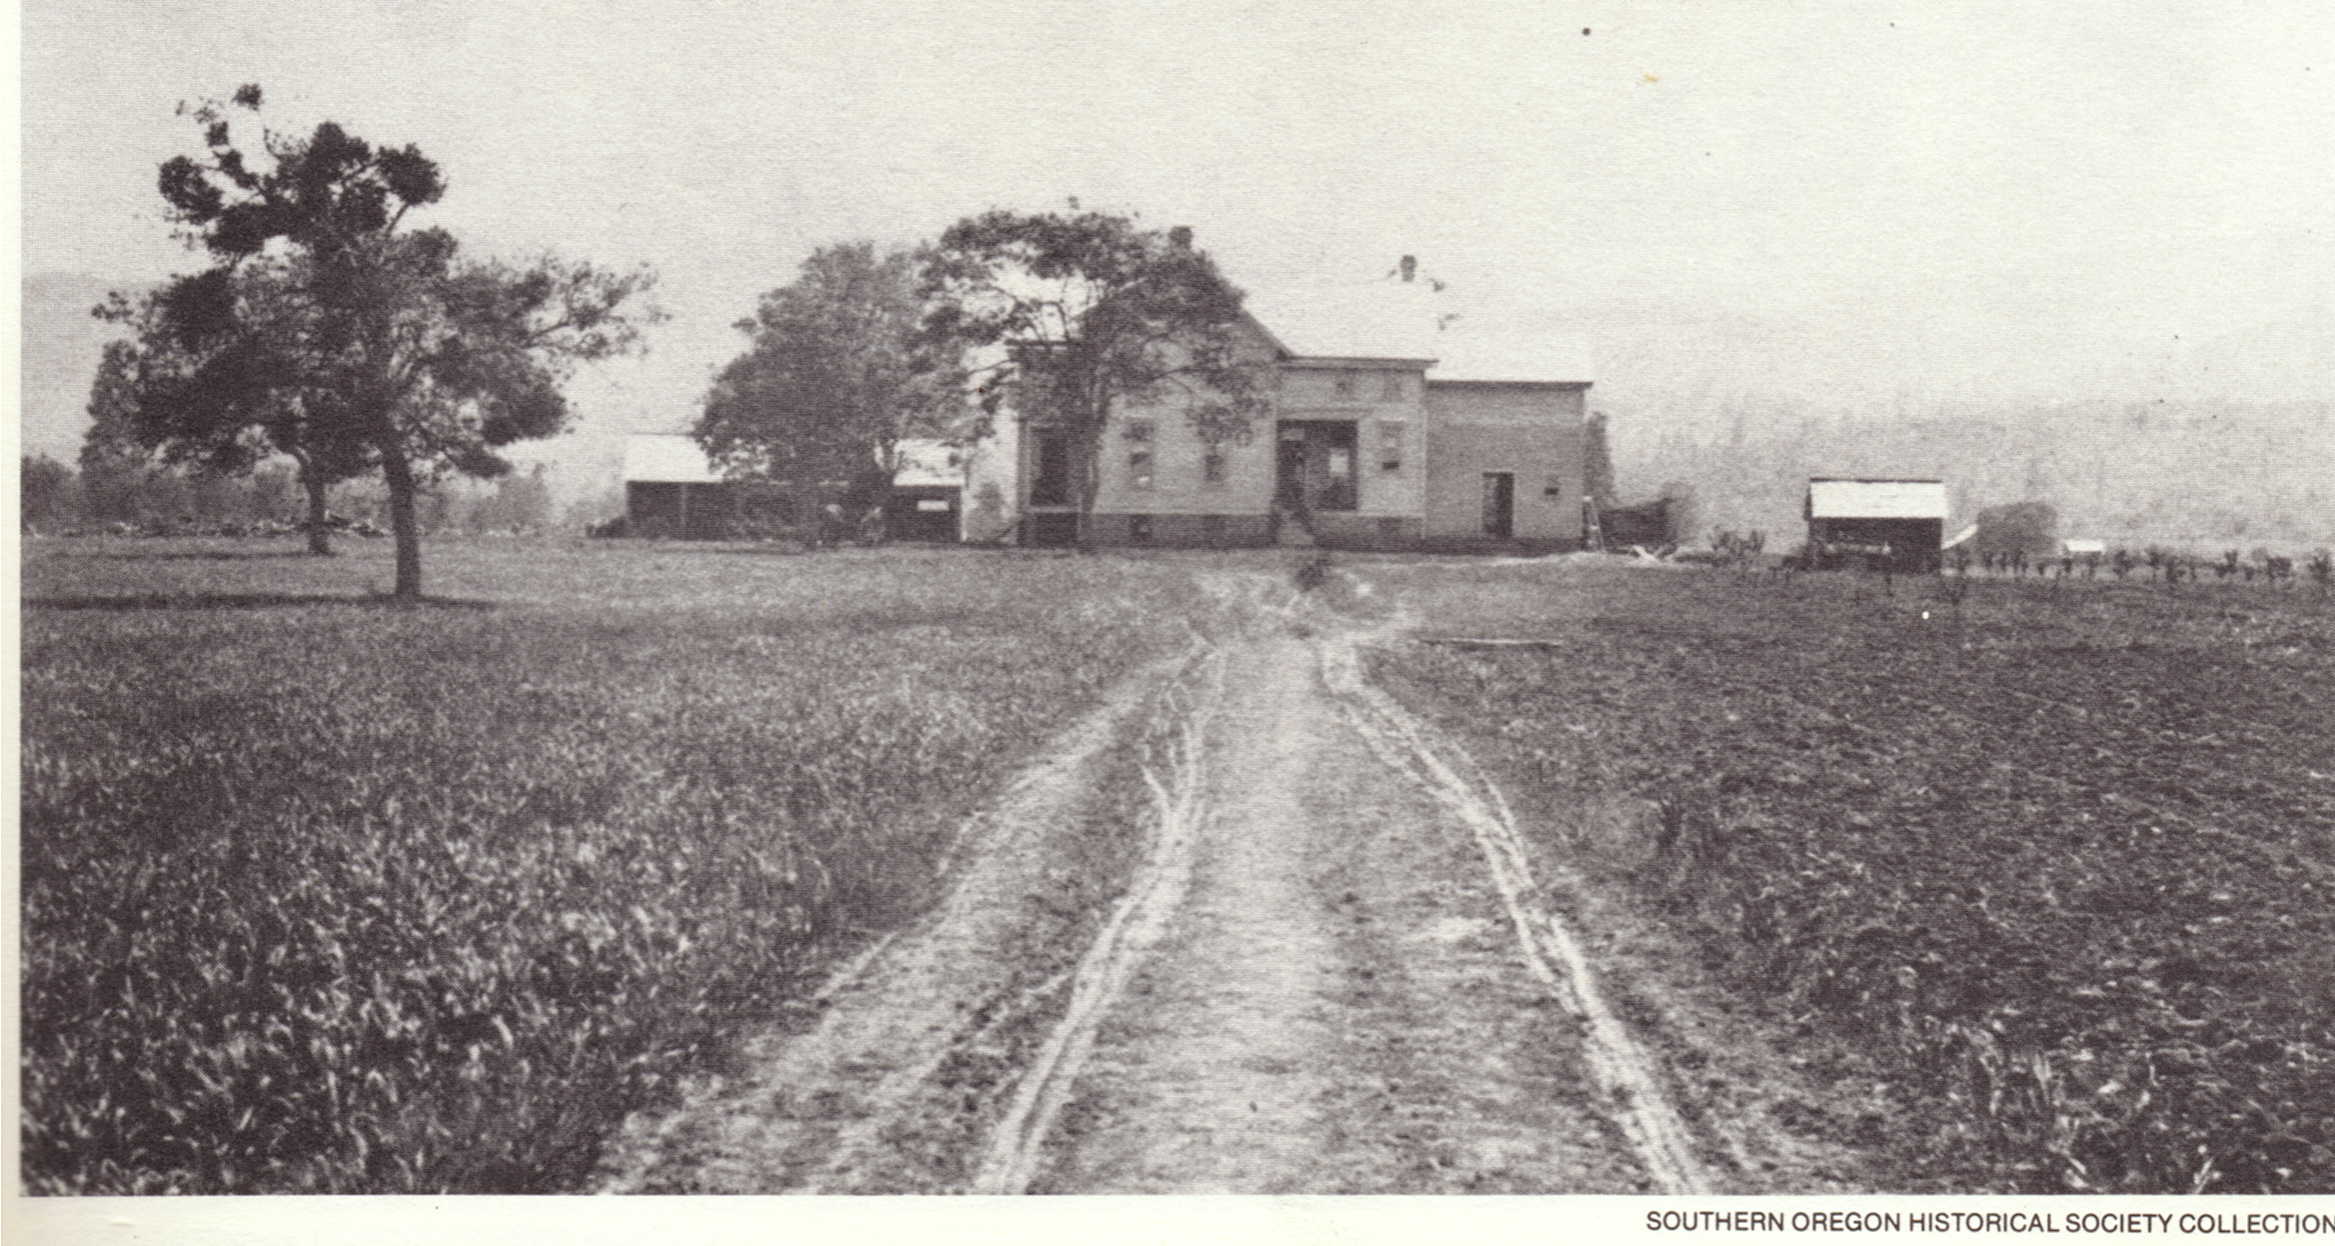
<point x="1500" y="504"/>
<point x="1315" y="465"/>
<point x="1050" y="483"/>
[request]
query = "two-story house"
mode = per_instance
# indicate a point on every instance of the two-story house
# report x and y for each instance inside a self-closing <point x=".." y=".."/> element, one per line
<point x="1386" y="428"/>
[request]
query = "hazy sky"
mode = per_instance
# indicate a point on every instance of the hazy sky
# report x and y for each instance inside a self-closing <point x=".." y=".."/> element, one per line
<point x="1947" y="195"/>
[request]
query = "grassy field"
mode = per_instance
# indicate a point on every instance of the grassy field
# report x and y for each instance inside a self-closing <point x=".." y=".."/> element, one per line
<point x="2058" y="860"/>
<point x="325" y="895"/>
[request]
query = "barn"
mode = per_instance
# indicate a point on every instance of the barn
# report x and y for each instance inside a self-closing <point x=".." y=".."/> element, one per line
<point x="1899" y="524"/>
<point x="672" y="490"/>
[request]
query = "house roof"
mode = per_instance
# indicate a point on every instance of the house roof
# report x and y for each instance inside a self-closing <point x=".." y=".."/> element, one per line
<point x="1834" y="498"/>
<point x="1370" y="320"/>
<point x="1475" y="352"/>
<point x="1409" y="322"/>
<point x="667" y="459"/>
<point x="676" y="459"/>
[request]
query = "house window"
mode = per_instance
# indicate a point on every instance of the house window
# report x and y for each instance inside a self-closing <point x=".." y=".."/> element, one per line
<point x="1139" y="467"/>
<point x="1139" y="431"/>
<point x="1554" y="489"/>
<point x="1390" y="445"/>
<point x="1212" y="466"/>
<point x="1342" y="385"/>
<point x="1390" y="389"/>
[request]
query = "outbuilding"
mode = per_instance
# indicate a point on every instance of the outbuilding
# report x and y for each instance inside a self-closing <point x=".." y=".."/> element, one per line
<point x="1880" y="522"/>
<point x="671" y="490"/>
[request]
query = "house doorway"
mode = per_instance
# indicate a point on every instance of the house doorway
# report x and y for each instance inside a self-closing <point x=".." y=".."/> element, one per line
<point x="1314" y="466"/>
<point x="1050" y="483"/>
<point x="1500" y="504"/>
<point x="1289" y="468"/>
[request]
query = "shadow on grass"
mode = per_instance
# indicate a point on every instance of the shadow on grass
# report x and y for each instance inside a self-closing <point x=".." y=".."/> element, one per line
<point x="198" y="555"/>
<point x="248" y="601"/>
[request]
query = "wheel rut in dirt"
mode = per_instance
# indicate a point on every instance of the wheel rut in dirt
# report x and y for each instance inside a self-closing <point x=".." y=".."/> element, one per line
<point x="913" y="1047"/>
<point x="1329" y="968"/>
<point x="1335" y="1008"/>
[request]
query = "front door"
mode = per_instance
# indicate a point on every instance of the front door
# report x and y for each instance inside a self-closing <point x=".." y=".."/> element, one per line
<point x="1500" y="504"/>
<point x="1289" y="474"/>
<point x="1052" y="483"/>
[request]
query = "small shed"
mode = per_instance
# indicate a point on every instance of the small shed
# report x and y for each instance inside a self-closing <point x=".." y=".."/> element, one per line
<point x="1895" y="523"/>
<point x="671" y="489"/>
<point x="928" y="490"/>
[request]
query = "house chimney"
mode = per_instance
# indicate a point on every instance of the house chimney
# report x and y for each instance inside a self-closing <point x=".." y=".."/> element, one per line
<point x="1180" y="237"/>
<point x="1410" y="267"/>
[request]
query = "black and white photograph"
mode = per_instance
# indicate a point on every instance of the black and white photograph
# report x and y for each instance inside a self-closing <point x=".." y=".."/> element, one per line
<point x="1701" y="602"/>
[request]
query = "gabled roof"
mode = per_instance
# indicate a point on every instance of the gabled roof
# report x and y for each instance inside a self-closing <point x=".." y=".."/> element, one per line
<point x="1405" y="321"/>
<point x="1867" y="498"/>
<point x="1370" y="320"/>
<point x="666" y="459"/>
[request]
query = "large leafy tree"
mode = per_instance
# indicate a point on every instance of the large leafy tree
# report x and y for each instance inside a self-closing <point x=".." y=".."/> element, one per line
<point x="837" y="372"/>
<point x="47" y="492"/>
<point x="396" y="352"/>
<point x="1083" y="314"/>
<point x="220" y="373"/>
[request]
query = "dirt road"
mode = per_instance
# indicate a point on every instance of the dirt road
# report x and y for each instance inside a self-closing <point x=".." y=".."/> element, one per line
<point x="1333" y="967"/>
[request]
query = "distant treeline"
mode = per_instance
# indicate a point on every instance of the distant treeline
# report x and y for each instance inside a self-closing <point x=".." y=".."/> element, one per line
<point x="2193" y="475"/>
<point x="60" y="499"/>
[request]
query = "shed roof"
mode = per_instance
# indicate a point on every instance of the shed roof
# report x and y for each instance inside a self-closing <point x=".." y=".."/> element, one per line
<point x="676" y="459"/>
<point x="667" y="459"/>
<point x="1834" y="498"/>
<point x="926" y="463"/>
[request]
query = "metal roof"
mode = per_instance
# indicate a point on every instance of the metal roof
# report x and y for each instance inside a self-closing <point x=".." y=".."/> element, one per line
<point x="666" y="459"/>
<point x="1830" y="498"/>
<point x="675" y="459"/>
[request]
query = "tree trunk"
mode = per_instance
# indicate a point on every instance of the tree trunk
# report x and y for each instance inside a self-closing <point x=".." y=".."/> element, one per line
<point x="319" y="534"/>
<point x="1090" y="477"/>
<point x="403" y="524"/>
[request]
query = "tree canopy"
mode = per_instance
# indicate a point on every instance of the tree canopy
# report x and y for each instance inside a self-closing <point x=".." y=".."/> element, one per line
<point x="835" y="375"/>
<point x="1081" y="314"/>
<point x="322" y="331"/>
<point x="218" y="375"/>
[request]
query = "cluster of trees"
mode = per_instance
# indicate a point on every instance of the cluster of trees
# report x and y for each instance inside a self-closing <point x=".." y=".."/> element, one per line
<point x="56" y="499"/>
<point x="1067" y="316"/>
<point x="327" y="334"/>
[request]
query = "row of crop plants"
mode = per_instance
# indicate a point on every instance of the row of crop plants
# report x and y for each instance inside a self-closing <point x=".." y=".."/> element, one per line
<point x="2071" y="877"/>
<point x="333" y="898"/>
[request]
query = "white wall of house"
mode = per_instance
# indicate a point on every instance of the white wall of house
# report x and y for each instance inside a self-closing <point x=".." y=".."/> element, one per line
<point x="1532" y="431"/>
